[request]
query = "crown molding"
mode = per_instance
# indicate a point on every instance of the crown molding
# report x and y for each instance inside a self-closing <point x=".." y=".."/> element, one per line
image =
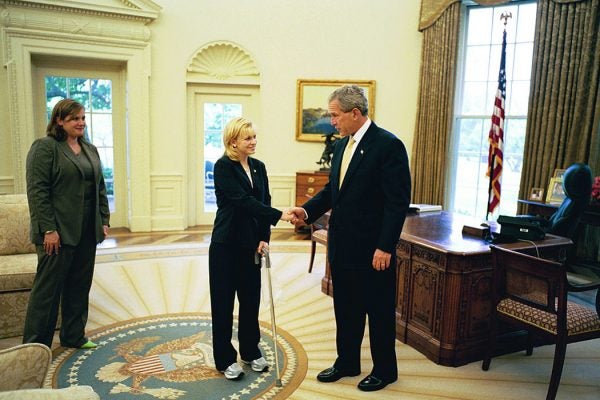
<point x="143" y="10"/>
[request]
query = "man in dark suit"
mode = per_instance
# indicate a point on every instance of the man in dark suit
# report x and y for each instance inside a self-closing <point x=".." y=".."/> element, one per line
<point x="368" y="194"/>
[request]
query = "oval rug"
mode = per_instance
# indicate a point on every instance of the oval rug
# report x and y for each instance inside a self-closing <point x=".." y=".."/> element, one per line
<point x="170" y="357"/>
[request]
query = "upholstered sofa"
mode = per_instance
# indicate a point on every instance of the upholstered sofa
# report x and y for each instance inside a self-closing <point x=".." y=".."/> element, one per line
<point x="23" y="370"/>
<point x="18" y="263"/>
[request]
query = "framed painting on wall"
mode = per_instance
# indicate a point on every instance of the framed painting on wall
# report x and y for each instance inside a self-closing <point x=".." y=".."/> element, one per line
<point x="312" y="117"/>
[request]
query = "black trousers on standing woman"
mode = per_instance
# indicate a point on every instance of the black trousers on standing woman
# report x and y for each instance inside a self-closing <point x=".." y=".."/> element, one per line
<point x="232" y="270"/>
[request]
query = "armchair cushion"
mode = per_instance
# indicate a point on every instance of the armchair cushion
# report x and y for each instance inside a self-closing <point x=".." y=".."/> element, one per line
<point x="24" y="366"/>
<point x="14" y="228"/>
<point x="68" y="393"/>
<point x="580" y="319"/>
<point x="320" y="236"/>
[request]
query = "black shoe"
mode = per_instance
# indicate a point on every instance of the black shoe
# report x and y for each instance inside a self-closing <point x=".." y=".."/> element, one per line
<point x="372" y="383"/>
<point x="333" y="374"/>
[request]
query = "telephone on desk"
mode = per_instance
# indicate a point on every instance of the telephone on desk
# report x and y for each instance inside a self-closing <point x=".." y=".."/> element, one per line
<point x="520" y="227"/>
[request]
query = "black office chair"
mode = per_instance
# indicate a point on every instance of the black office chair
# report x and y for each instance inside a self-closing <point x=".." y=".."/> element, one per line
<point x="577" y="185"/>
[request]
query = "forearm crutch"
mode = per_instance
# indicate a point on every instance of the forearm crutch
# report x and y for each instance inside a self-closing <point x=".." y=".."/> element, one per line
<point x="265" y="261"/>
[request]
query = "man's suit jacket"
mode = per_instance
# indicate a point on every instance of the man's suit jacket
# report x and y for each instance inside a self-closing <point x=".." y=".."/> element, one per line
<point x="369" y="210"/>
<point x="244" y="214"/>
<point x="55" y="186"/>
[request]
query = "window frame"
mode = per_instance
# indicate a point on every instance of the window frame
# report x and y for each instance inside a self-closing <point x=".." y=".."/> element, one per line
<point x="452" y="175"/>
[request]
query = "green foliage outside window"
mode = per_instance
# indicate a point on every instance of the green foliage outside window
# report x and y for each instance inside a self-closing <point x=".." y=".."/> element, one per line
<point x="96" y="97"/>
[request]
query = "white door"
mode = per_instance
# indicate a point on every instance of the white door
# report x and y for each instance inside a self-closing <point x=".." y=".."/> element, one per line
<point x="102" y="93"/>
<point x="210" y="109"/>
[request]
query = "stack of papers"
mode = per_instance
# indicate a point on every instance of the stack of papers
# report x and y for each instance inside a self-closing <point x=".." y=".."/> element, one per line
<point x="421" y="208"/>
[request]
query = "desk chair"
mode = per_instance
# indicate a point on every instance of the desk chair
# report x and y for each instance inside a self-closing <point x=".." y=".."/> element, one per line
<point x="316" y="236"/>
<point x="531" y="293"/>
<point x="577" y="185"/>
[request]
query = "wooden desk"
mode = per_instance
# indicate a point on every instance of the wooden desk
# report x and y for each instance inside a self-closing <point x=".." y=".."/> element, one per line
<point x="444" y="282"/>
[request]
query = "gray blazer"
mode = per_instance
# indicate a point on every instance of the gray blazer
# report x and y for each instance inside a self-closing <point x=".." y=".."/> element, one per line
<point x="55" y="190"/>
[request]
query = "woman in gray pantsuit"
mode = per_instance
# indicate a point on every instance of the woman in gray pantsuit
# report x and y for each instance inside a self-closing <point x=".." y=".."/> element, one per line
<point x="69" y="214"/>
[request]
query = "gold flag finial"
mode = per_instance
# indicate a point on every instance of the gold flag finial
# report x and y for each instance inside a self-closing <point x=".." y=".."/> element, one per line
<point x="505" y="16"/>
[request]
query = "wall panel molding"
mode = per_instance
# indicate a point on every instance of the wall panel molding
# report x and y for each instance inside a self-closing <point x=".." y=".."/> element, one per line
<point x="7" y="185"/>
<point x="167" y="202"/>
<point x="283" y="195"/>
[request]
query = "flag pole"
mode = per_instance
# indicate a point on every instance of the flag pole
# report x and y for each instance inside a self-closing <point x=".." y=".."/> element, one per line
<point x="496" y="135"/>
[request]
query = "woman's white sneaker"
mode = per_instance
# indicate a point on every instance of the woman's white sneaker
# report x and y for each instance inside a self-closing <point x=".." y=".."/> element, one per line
<point x="258" y="365"/>
<point x="233" y="372"/>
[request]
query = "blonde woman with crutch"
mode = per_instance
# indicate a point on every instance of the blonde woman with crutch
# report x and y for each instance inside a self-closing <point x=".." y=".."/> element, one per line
<point x="241" y="230"/>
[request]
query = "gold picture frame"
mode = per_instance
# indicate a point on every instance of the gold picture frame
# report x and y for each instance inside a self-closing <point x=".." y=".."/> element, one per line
<point x="558" y="174"/>
<point x="536" y="194"/>
<point x="312" y="120"/>
<point x="556" y="193"/>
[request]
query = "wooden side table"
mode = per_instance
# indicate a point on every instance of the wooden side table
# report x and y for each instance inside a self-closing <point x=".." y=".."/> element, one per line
<point x="308" y="183"/>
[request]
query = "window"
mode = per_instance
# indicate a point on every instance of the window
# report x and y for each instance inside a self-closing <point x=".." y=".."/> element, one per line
<point x="96" y="97"/>
<point x="476" y="89"/>
<point x="216" y="116"/>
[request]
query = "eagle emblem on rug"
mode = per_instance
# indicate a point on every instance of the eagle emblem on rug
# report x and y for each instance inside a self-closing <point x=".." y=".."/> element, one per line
<point x="186" y="359"/>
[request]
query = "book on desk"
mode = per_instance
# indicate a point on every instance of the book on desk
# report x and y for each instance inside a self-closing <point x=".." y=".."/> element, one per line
<point x="422" y="208"/>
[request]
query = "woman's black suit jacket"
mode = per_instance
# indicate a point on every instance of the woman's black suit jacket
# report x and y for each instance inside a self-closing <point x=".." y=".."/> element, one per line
<point x="369" y="210"/>
<point x="244" y="214"/>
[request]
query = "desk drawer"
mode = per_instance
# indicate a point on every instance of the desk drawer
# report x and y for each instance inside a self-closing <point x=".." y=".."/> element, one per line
<point x="311" y="180"/>
<point x="309" y="184"/>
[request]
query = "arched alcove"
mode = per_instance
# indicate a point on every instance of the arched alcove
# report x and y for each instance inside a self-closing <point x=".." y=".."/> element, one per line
<point x="222" y="62"/>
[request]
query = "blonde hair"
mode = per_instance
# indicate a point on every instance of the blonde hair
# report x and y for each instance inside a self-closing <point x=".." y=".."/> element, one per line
<point x="235" y="129"/>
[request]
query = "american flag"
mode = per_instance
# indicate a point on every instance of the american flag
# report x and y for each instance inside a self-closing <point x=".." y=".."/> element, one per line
<point x="496" y="136"/>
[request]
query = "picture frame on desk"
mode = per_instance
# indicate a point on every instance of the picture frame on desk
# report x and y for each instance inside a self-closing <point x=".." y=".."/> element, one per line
<point x="536" y="194"/>
<point x="558" y="174"/>
<point x="556" y="193"/>
<point x="312" y="116"/>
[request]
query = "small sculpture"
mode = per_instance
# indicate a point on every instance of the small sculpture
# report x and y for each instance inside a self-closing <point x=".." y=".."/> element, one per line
<point x="325" y="161"/>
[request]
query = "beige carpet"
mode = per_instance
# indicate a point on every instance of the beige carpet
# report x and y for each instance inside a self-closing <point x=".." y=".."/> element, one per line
<point x="139" y="281"/>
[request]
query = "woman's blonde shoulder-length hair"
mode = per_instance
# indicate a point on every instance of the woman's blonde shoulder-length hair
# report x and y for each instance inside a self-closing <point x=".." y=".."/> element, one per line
<point x="234" y="130"/>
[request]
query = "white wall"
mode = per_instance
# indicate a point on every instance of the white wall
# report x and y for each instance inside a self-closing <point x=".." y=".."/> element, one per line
<point x="288" y="40"/>
<point x="312" y="39"/>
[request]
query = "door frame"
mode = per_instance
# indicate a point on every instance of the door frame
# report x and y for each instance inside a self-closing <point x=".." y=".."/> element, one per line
<point x="196" y="93"/>
<point x="90" y="69"/>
